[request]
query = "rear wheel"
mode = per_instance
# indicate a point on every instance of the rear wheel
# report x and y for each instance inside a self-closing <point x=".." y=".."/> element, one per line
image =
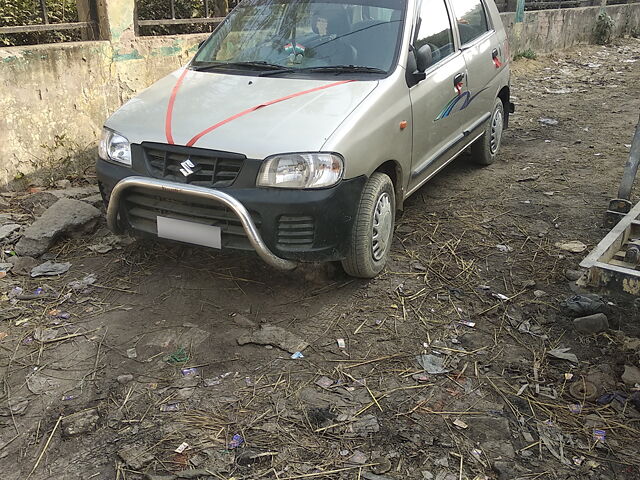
<point x="373" y="228"/>
<point x="485" y="149"/>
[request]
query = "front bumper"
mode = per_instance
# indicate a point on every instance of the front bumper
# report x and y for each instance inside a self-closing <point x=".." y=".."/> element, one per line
<point x="267" y="220"/>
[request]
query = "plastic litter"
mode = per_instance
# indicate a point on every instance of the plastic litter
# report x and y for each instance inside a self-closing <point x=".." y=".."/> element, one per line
<point x="341" y="343"/>
<point x="132" y="353"/>
<point x="84" y="283"/>
<point x="599" y="435"/>
<point x="182" y="447"/>
<point x="170" y="407"/>
<point x="189" y="371"/>
<point x="562" y="353"/>
<point x="236" y="441"/>
<point x="297" y="355"/>
<point x="178" y="357"/>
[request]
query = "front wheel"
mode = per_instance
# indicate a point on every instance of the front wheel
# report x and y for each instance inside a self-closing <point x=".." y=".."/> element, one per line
<point x="485" y="149"/>
<point x="373" y="228"/>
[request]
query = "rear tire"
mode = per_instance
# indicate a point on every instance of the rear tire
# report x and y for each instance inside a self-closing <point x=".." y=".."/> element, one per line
<point x="485" y="149"/>
<point x="373" y="228"/>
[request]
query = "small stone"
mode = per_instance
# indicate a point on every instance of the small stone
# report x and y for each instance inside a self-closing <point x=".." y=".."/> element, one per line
<point x="358" y="458"/>
<point x="276" y="336"/>
<point x="572" y="275"/>
<point x="63" y="184"/>
<point x="22" y="265"/>
<point x="529" y="283"/>
<point x="80" y="422"/>
<point x="7" y="230"/>
<point x="125" y="378"/>
<point x="595" y="323"/>
<point x="539" y="293"/>
<point x="136" y="456"/>
<point x="631" y="375"/>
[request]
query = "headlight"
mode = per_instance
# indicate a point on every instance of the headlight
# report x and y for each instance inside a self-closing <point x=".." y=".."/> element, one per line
<point x="301" y="170"/>
<point x="114" y="147"/>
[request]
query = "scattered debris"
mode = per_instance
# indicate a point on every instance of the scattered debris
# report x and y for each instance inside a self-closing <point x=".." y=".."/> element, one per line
<point x="80" y="422"/>
<point x="574" y="246"/>
<point x="562" y="353"/>
<point x="275" y="336"/>
<point x="50" y="269"/>
<point x="548" y="121"/>
<point x="432" y="364"/>
<point x="581" y="305"/>
<point x="631" y="376"/>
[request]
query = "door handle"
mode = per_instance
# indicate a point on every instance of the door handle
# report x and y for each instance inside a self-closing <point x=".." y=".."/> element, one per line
<point x="458" y="82"/>
<point x="495" y="57"/>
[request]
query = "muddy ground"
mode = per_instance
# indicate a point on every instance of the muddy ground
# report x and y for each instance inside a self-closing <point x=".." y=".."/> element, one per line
<point x="170" y="317"/>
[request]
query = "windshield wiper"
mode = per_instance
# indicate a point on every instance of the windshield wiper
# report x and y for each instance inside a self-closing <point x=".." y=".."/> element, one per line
<point x="328" y="69"/>
<point x="257" y="65"/>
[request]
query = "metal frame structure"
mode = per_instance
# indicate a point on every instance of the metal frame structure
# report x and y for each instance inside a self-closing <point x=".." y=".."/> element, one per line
<point x="615" y="260"/>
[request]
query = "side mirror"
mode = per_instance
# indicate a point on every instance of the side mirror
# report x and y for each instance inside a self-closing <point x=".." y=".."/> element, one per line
<point x="424" y="58"/>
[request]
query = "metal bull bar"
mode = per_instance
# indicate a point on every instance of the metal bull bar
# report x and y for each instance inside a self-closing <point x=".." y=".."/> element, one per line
<point x="199" y="192"/>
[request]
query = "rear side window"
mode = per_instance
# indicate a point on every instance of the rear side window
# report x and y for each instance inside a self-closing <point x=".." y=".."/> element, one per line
<point x="435" y="29"/>
<point x="471" y="18"/>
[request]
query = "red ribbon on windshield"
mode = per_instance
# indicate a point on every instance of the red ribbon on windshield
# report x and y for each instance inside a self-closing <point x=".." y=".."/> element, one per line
<point x="191" y="142"/>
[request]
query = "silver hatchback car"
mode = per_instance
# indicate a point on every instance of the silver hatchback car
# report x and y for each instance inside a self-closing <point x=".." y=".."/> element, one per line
<point x="300" y="126"/>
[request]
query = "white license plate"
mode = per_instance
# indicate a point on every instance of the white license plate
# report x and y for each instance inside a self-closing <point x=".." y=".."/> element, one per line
<point x="190" y="232"/>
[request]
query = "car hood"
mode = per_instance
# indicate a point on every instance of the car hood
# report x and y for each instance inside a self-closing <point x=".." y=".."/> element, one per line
<point x="204" y="99"/>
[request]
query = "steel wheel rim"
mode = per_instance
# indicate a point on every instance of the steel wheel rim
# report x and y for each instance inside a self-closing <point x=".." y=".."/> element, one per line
<point x="497" y="122"/>
<point x="381" y="230"/>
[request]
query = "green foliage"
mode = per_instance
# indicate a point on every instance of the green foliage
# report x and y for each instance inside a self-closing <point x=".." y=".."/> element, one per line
<point x="157" y="10"/>
<point x="528" y="53"/>
<point x="28" y="12"/>
<point x="604" y="28"/>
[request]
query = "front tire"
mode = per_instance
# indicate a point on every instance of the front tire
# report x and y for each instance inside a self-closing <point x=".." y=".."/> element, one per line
<point x="373" y="228"/>
<point x="485" y="149"/>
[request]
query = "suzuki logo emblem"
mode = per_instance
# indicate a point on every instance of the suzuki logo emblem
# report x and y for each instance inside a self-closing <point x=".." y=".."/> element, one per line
<point x="187" y="167"/>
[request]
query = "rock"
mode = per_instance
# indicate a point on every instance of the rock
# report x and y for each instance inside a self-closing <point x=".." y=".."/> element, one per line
<point x="493" y="434"/>
<point x="427" y="475"/>
<point x="631" y="375"/>
<point x="15" y="406"/>
<point x="596" y="323"/>
<point x="74" y="192"/>
<point x="63" y="184"/>
<point x="50" y="269"/>
<point x="358" y="458"/>
<point x="64" y="216"/>
<point x="382" y="465"/>
<point x="539" y="293"/>
<point x="95" y="200"/>
<point x="22" y="265"/>
<point x="572" y="275"/>
<point x="153" y="476"/>
<point x="365" y="425"/>
<point x="432" y="364"/>
<point x="136" y="456"/>
<point x="7" y="230"/>
<point x="276" y="336"/>
<point x="80" y="422"/>
<point x="124" y="378"/>
<point x="5" y="267"/>
<point x="373" y="476"/>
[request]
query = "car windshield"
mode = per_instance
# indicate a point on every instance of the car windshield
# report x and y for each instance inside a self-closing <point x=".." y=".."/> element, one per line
<point x="281" y="36"/>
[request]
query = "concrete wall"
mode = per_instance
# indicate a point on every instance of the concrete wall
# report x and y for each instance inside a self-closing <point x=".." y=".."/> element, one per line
<point x="548" y="30"/>
<point x="58" y="95"/>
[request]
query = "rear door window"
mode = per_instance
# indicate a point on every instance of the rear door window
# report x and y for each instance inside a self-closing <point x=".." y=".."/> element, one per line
<point x="435" y="29"/>
<point x="471" y="18"/>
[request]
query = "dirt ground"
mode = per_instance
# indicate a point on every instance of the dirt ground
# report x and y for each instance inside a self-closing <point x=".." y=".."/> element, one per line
<point x="475" y="282"/>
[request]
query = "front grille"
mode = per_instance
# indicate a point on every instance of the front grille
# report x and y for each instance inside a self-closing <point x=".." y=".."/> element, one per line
<point x="142" y="207"/>
<point x="211" y="169"/>
<point x="295" y="231"/>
